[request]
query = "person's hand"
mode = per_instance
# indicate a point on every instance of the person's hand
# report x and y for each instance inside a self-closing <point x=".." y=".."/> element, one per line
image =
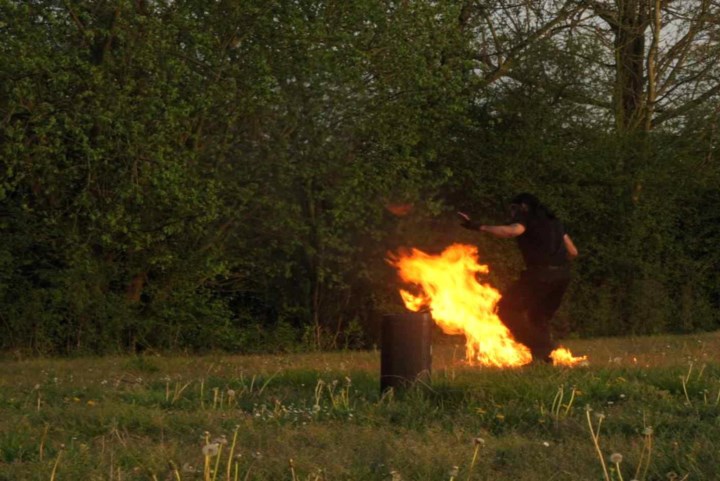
<point x="468" y="223"/>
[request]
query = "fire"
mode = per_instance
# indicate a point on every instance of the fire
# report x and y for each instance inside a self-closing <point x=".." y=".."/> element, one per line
<point x="459" y="304"/>
<point x="564" y="357"/>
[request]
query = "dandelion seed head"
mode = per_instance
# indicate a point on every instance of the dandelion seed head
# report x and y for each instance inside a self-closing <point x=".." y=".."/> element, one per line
<point x="454" y="471"/>
<point x="616" y="458"/>
<point x="478" y="441"/>
<point x="648" y="431"/>
<point x="211" y="449"/>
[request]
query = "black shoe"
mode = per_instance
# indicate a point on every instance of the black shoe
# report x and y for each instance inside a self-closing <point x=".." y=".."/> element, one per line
<point x="541" y="360"/>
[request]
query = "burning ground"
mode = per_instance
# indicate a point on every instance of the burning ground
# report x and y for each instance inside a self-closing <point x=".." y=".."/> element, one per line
<point x="155" y="417"/>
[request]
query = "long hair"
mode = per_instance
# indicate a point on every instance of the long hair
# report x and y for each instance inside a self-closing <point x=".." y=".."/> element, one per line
<point x="536" y="209"/>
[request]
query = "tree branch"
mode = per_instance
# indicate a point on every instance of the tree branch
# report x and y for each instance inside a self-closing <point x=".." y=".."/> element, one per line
<point x="688" y="106"/>
<point x="504" y="66"/>
<point x="76" y="21"/>
<point x="683" y="45"/>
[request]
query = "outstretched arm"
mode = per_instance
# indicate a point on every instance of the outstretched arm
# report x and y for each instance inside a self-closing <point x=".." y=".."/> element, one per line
<point x="570" y="246"/>
<point x="502" y="231"/>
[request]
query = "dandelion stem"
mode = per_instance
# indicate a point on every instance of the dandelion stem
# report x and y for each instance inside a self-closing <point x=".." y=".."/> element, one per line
<point x="231" y="453"/>
<point x="597" y="433"/>
<point x="684" y="386"/>
<point x="687" y="378"/>
<point x="474" y="458"/>
<point x="557" y="402"/>
<point x="640" y="461"/>
<point x="178" y="392"/>
<point x="617" y="466"/>
<point x="55" y="466"/>
<point x="597" y="444"/>
<point x="265" y="384"/>
<point x="247" y="474"/>
<point x="570" y="402"/>
<point x="649" y="450"/>
<point x="175" y="471"/>
<point x="292" y="470"/>
<point x="217" y="462"/>
<point x="42" y="441"/>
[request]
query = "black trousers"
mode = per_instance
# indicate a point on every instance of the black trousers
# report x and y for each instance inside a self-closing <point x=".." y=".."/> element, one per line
<point x="528" y="305"/>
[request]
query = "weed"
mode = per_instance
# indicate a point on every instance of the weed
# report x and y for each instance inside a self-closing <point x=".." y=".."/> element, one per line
<point x="118" y="423"/>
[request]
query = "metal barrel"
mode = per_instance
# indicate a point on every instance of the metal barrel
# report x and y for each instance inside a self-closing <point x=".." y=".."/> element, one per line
<point x="406" y="349"/>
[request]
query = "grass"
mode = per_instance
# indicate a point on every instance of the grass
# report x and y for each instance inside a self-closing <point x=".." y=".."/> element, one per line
<point x="645" y="408"/>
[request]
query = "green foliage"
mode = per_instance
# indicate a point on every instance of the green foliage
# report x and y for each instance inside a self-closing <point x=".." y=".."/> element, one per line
<point x="194" y="175"/>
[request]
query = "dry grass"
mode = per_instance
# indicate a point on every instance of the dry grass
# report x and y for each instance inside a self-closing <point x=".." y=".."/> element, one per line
<point x="149" y="417"/>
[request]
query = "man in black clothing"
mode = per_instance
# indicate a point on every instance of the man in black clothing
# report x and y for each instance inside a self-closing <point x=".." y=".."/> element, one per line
<point x="528" y="305"/>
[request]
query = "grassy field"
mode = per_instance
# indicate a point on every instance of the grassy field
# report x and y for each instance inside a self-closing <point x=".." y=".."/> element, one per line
<point x="653" y="402"/>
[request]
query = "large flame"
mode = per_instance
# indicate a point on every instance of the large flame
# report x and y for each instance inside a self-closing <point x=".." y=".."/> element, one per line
<point x="459" y="304"/>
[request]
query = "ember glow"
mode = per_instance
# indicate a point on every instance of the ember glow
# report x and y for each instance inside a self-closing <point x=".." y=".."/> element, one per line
<point x="448" y="287"/>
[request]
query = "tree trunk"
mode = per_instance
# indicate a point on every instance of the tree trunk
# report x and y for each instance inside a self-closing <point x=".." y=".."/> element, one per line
<point x="632" y="21"/>
<point x="652" y="67"/>
<point x="135" y="288"/>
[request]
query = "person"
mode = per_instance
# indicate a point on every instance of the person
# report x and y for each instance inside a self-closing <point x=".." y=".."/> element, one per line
<point x="529" y="303"/>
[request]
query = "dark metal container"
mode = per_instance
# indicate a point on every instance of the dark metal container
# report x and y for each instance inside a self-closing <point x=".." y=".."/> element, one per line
<point x="406" y="349"/>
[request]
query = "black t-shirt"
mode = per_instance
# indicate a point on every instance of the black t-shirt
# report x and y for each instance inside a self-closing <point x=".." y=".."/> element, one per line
<point x="542" y="242"/>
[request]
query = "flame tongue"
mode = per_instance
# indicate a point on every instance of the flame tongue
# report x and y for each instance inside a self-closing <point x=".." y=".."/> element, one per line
<point x="459" y="304"/>
<point x="564" y="357"/>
